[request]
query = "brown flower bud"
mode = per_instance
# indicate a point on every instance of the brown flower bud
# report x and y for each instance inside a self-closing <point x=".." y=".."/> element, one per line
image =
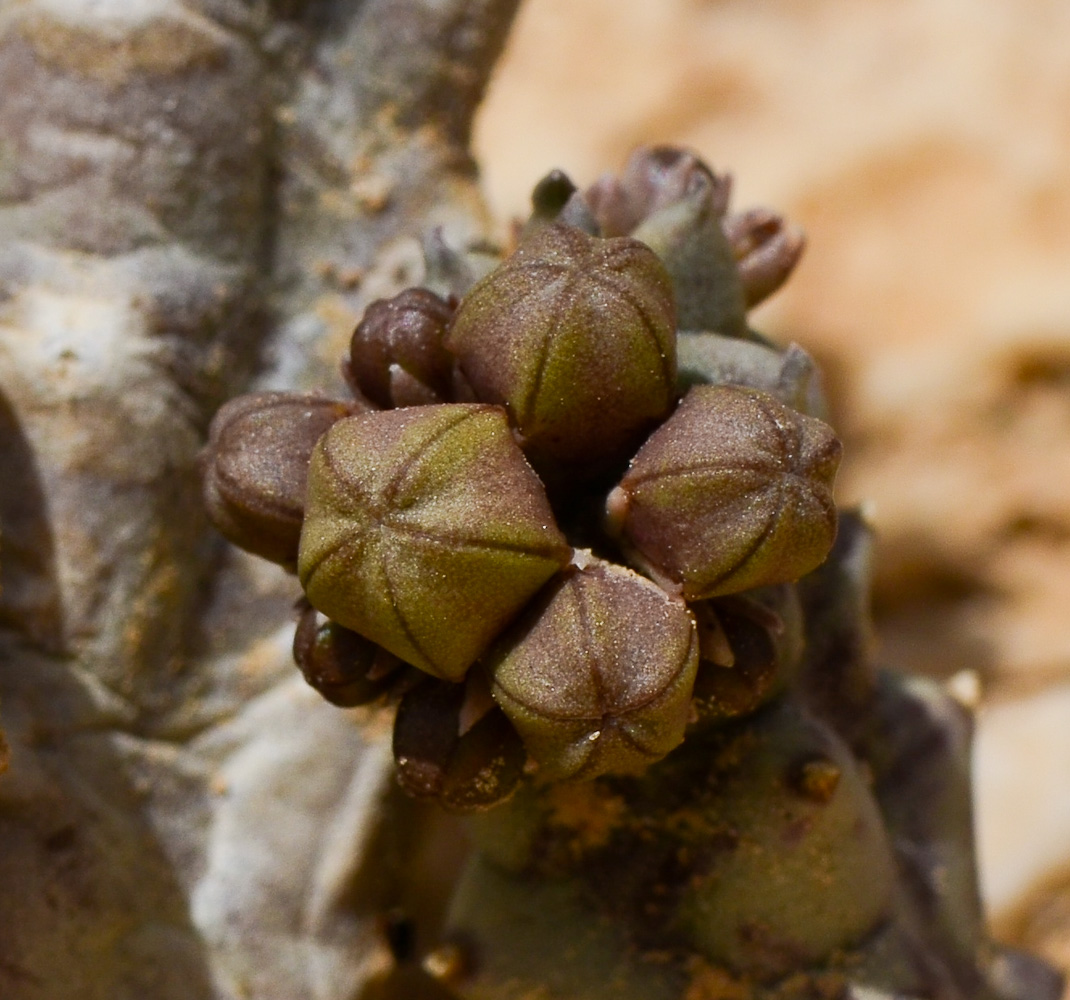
<point x="597" y="674"/>
<point x="766" y="249"/>
<point x="733" y="491"/>
<point x="397" y="356"/>
<point x="426" y="531"/>
<point x="255" y="467"/>
<point x="654" y="178"/>
<point x="344" y="667"/>
<point x="575" y="337"/>
<point x="462" y="771"/>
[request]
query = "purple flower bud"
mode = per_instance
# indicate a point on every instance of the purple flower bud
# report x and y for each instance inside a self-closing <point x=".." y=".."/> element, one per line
<point x="255" y="468"/>
<point x="597" y="674"/>
<point x="733" y="491"/>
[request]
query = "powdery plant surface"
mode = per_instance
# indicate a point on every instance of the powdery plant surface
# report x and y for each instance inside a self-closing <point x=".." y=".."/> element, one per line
<point x="924" y="148"/>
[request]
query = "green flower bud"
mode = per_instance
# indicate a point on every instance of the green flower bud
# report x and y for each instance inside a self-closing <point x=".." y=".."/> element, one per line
<point x="397" y="356"/>
<point x="344" y="667"/>
<point x="575" y="337"/>
<point x="255" y="467"/>
<point x="463" y="771"/>
<point x="426" y="531"/>
<point x="733" y="491"/>
<point x="597" y="675"/>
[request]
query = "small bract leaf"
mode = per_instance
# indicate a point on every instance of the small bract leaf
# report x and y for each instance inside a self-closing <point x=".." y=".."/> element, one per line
<point x="733" y="491"/>
<point x="790" y="374"/>
<point x="763" y="629"/>
<point x="426" y="531"/>
<point x="575" y="337"/>
<point x="597" y="675"/>
<point x="688" y="238"/>
<point x="255" y="467"/>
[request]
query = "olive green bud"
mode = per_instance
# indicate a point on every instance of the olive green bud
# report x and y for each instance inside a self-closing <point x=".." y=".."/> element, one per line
<point x="575" y="337"/>
<point x="733" y="491"/>
<point x="397" y="356"/>
<point x="255" y="467"/>
<point x="766" y="249"/>
<point x="464" y="770"/>
<point x="344" y="667"/>
<point x="426" y="531"/>
<point x="596" y="676"/>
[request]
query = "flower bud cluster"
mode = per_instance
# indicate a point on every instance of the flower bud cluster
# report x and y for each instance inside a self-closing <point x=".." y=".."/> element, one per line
<point x="553" y="543"/>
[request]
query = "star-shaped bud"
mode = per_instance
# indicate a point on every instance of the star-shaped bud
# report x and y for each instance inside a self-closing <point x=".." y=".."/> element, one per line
<point x="575" y="337"/>
<point x="426" y="531"/>
<point x="733" y="491"/>
<point x="597" y="675"/>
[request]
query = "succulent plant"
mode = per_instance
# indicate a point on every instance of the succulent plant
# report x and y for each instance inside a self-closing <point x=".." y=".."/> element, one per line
<point x="578" y="523"/>
<point x="422" y="534"/>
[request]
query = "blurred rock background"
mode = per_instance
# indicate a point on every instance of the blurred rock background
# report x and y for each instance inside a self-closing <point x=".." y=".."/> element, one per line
<point x="925" y="149"/>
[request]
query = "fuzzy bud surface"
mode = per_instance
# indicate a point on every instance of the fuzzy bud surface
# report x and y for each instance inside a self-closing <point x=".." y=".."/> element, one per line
<point x="733" y="491"/>
<point x="598" y="678"/>
<point x="576" y="337"/>
<point x="426" y="531"/>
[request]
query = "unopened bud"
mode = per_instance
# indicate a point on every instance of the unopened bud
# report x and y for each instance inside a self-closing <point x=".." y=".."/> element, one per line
<point x="255" y="468"/>
<point x="426" y="531"/>
<point x="733" y="491"/>
<point x="597" y="675"/>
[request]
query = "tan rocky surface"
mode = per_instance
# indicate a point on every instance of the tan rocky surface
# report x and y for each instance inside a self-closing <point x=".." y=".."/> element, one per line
<point x="925" y="149"/>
